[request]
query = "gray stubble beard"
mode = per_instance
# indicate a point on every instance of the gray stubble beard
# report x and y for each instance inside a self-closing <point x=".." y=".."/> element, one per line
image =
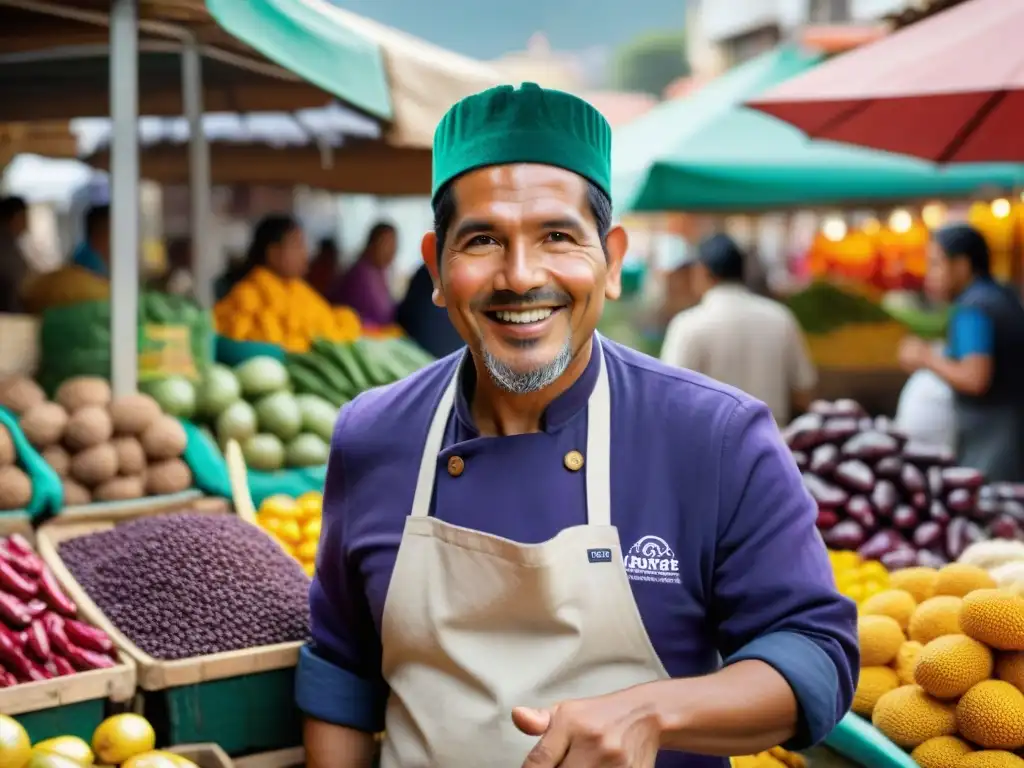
<point x="527" y="382"/>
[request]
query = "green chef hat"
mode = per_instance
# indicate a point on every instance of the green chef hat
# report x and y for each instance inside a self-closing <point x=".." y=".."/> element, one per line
<point x="528" y="124"/>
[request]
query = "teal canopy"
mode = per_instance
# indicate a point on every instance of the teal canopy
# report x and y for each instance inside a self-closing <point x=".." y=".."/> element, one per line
<point x="317" y="46"/>
<point x="708" y="152"/>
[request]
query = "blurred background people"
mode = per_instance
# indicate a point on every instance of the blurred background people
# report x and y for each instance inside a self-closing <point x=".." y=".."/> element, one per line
<point x="93" y="253"/>
<point x="983" y="362"/>
<point x="738" y="337"/>
<point x="364" y="286"/>
<point x="426" y="323"/>
<point x="13" y="265"/>
<point x="323" y="268"/>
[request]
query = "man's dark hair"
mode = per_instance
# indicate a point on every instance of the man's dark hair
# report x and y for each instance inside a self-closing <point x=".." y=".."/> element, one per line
<point x="97" y="217"/>
<point x="964" y="241"/>
<point x="722" y="257"/>
<point x="11" y="206"/>
<point x="444" y="211"/>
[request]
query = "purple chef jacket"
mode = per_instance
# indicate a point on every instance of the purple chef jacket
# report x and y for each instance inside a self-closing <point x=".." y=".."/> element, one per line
<point x="364" y="287"/>
<point x="695" y="463"/>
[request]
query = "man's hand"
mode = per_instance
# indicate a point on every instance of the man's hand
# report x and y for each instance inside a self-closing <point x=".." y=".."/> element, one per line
<point x="619" y="730"/>
<point x="914" y="354"/>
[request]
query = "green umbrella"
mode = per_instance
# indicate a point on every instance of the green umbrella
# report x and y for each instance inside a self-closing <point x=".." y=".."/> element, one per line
<point x="708" y="152"/>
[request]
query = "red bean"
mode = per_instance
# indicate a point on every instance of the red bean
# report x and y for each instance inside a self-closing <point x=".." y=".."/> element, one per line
<point x="38" y="644"/>
<point x="13" y="611"/>
<point x="13" y="582"/>
<point x="87" y="637"/>
<point x="54" y="595"/>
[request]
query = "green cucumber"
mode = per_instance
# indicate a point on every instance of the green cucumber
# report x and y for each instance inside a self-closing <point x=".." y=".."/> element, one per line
<point x="343" y="356"/>
<point x="374" y="363"/>
<point x="309" y="383"/>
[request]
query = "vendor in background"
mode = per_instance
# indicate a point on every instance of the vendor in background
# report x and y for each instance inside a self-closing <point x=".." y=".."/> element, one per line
<point x="423" y="320"/>
<point x="738" y="337"/>
<point x="13" y="266"/>
<point x="93" y="253"/>
<point x="364" y="287"/>
<point x="278" y="244"/>
<point x="983" y="361"/>
<point x="179" y="280"/>
<point x="323" y="268"/>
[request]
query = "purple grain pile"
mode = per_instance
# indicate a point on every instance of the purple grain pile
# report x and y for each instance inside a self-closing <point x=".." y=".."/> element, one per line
<point x="186" y="585"/>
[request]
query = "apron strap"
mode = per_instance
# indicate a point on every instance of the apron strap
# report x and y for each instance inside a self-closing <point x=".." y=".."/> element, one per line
<point x="598" y="456"/>
<point x="432" y="447"/>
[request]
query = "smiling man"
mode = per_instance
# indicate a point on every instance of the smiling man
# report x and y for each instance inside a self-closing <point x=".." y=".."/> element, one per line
<point x="549" y="550"/>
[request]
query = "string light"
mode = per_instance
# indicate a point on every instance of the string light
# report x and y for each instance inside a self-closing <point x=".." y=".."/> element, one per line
<point x="834" y="230"/>
<point x="901" y="221"/>
<point x="933" y="215"/>
<point x="1001" y="208"/>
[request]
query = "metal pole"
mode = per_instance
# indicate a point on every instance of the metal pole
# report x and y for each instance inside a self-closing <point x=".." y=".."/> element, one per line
<point x="124" y="195"/>
<point x="203" y="263"/>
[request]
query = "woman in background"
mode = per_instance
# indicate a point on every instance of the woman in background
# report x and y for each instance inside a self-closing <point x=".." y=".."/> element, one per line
<point x="364" y="287"/>
<point x="278" y="245"/>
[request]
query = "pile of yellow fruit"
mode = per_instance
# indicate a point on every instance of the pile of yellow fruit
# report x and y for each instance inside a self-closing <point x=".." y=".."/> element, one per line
<point x="856" y="578"/>
<point x="942" y="667"/>
<point x="294" y="524"/>
<point x="289" y="313"/>
<point x="126" y="740"/>
<point x="773" y="758"/>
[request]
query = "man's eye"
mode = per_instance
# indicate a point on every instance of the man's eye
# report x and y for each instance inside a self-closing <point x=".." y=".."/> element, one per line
<point x="559" y="237"/>
<point x="480" y="240"/>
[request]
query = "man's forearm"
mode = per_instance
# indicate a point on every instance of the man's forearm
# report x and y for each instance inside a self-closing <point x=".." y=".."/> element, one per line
<point x="743" y="709"/>
<point x="335" y="746"/>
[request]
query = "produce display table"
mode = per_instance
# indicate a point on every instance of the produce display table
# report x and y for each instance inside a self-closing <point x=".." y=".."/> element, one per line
<point x="238" y="699"/>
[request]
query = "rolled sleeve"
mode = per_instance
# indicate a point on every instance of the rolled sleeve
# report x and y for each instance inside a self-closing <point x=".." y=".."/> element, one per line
<point x="338" y="678"/>
<point x="775" y="599"/>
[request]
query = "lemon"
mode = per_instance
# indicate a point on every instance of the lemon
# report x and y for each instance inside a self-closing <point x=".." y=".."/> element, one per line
<point x="855" y="592"/>
<point x="289" y="532"/>
<point x="845" y="560"/>
<point x="68" y="746"/>
<point x="15" y="748"/>
<point x="874" y="570"/>
<point x="311" y="530"/>
<point x="122" y="736"/>
<point x="306" y="551"/>
<point x="155" y="759"/>
<point x="43" y="759"/>
<point x="279" y="505"/>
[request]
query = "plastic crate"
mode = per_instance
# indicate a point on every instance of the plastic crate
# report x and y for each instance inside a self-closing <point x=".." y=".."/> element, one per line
<point x="240" y="700"/>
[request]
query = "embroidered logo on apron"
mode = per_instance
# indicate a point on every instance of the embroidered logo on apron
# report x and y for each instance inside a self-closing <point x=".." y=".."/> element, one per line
<point x="652" y="559"/>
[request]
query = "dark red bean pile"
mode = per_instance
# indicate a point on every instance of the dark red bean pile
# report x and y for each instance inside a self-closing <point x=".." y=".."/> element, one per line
<point x="187" y="584"/>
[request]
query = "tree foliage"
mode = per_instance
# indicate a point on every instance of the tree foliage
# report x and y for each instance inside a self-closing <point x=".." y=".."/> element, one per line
<point x="650" y="63"/>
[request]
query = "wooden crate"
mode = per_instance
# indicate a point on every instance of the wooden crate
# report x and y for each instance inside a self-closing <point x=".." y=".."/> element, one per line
<point x="204" y="755"/>
<point x="280" y="758"/>
<point x="132" y="508"/>
<point x="72" y="705"/>
<point x="242" y="700"/>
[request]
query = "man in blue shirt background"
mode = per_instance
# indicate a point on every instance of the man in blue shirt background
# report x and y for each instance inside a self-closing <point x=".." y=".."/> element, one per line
<point x="93" y="253"/>
<point x="984" y="357"/>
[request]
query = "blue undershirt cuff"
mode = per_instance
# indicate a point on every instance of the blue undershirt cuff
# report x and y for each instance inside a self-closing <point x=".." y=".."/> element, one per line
<point x="327" y="692"/>
<point x="811" y="674"/>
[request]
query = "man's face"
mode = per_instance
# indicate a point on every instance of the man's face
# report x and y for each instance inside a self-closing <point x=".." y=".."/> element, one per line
<point x="523" y="274"/>
<point x="100" y="240"/>
<point x="946" y="277"/>
<point x="19" y="223"/>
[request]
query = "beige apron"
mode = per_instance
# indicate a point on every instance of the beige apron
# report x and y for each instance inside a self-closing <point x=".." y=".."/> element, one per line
<point x="475" y="624"/>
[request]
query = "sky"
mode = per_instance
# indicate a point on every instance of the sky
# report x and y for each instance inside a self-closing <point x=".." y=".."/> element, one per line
<point x="487" y="29"/>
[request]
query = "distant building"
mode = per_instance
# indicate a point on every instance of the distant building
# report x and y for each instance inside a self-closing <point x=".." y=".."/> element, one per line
<point x="723" y="34"/>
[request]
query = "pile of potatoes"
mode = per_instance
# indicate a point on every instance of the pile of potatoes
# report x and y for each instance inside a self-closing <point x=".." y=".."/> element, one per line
<point x="15" y="485"/>
<point x="104" y="448"/>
